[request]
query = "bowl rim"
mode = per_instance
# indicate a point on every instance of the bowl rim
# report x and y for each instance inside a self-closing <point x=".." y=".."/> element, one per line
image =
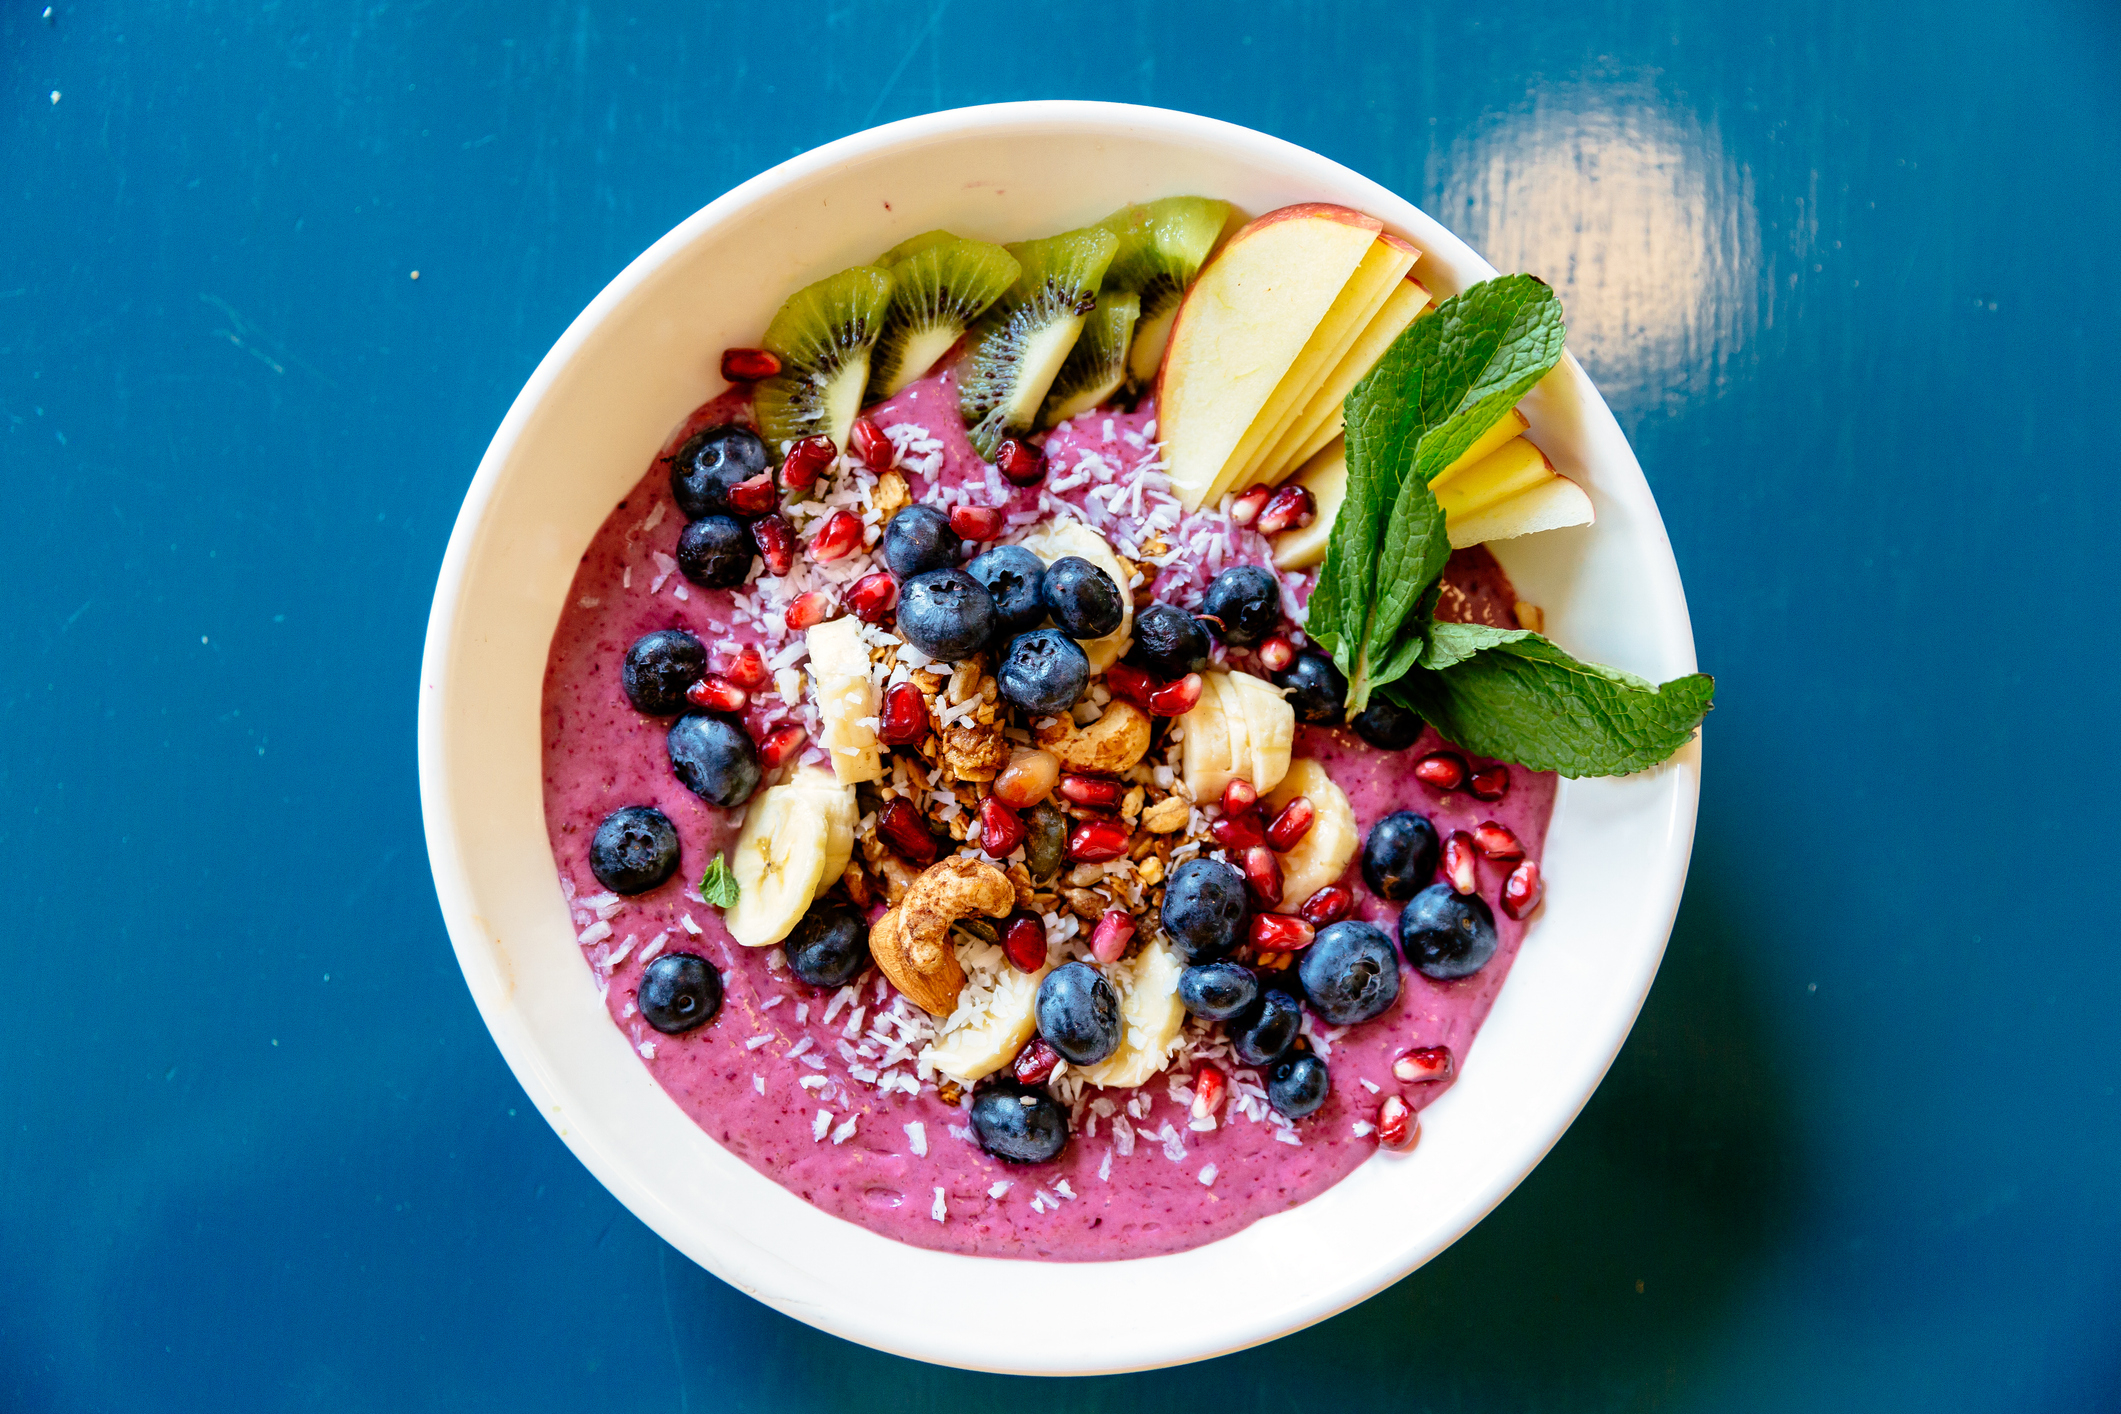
<point x="468" y="932"/>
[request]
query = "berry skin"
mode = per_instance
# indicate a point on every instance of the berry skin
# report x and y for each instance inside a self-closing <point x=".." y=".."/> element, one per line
<point x="1043" y="672"/>
<point x="1218" y="990"/>
<point x="1298" y="1085"/>
<point x="944" y="613"/>
<point x="919" y="539"/>
<point x="1387" y="725"/>
<point x="1082" y="598"/>
<point x="715" y="552"/>
<point x="1018" y="1124"/>
<point x="1268" y="1028"/>
<point x="1350" y="973"/>
<point x="1168" y="642"/>
<point x="679" y="992"/>
<point x="1078" y="1013"/>
<point x="1400" y="855"/>
<point x="1447" y="934"/>
<point x="1318" y="688"/>
<point x="711" y="462"/>
<point x="712" y="756"/>
<point x="1246" y="601"/>
<point x="659" y="667"/>
<point x="635" y="849"/>
<point x="1205" y="909"/>
<point x="1012" y="577"/>
<point x="830" y="947"/>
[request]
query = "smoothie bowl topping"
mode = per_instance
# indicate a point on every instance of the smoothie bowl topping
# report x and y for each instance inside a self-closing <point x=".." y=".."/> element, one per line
<point x="1043" y="765"/>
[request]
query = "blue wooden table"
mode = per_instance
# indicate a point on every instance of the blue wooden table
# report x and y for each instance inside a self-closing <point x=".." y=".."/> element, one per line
<point x="1845" y="271"/>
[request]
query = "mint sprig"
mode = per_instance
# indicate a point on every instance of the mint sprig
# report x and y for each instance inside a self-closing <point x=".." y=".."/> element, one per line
<point x="718" y="885"/>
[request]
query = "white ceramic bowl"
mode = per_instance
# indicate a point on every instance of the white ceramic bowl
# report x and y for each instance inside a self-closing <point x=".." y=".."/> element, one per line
<point x="640" y="357"/>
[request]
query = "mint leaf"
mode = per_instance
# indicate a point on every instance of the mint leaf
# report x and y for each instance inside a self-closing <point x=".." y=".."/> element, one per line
<point x="718" y="884"/>
<point x="1452" y="643"/>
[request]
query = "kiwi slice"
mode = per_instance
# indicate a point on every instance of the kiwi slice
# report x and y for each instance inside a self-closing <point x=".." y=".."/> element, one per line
<point x="1026" y="336"/>
<point x="822" y="336"/>
<point x="1161" y="248"/>
<point x="940" y="285"/>
<point x="1097" y="365"/>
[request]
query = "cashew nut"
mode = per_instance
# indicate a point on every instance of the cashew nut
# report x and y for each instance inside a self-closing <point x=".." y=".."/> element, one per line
<point x="1107" y="746"/>
<point x="911" y="943"/>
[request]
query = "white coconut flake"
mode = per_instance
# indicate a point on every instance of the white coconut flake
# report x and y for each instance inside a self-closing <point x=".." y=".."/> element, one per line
<point x="690" y="926"/>
<point x="998" y="1189"/>
<point x="941" y="1210"/>
<point x="758" y="1083"/>
<point x="917" y="1137"/>
<point x="595" y="933"/>
<point x="819" y="1125"/>
<point x="759" y="1040"/>
<point x="1362" y="1127"/>
<point x="1207" y="1176"/>
<point x="1104" y="1170"/>
<point x="845" y="1131"/>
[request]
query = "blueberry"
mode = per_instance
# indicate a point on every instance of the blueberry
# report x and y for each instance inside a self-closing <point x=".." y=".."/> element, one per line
<point x="1350" y="973"/>
<point x="1298" y="1085"/>
<point x="658" y="669"/>
<point x="1168" y="642"/>
<point x="1078" y="1013"/>
<point x="1246" y="601"/>
<point x="1447" y="934"/>
<point x="679" y="991"/>
<point x="1082" y="598"/>
<point x="1267" y="1029"/>
<point x="1043" y="672"/>
<point x="715" y="552"/>
<point x="919" y="539"/>
<point x="714" y="758"/>
<point x="944" y="613"/>
<point x="1387" y="725"/>
<point x="1012" y="575"/>
<point x="1400" y="855"/>
<point x="1317" y="689"/>
<point x="635" y="849"/>
<point x="1205" y="909"/>
<point x="830" y="947"/>
<point x="709" y="464"/>
<point x="1018" y="1124"/>
<point x="1218" y="990"/>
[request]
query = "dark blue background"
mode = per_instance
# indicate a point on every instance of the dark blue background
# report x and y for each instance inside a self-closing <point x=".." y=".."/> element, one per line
<point x="1846" y="271"/>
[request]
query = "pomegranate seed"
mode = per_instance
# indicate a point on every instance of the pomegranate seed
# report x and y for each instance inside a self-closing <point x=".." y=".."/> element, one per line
<point x="806" y="461"/>
<point x="1096" y="841"/>
<point x="873" y="597"/>
<point x="1329" y="905"/>
<point x="1114" y="931"/>
<point x="837" y="538"/>
<point x="1238" y="796"/>
<point x="1458" y="859"/>
<point x="1263" y="875"/>
<point x="1496" y="842"/>
<point x="1397" y="1124"/>
<point x="754" y="497"/>
<point x="1131" y="683"/>
<point x="1245" y="509"/>
<point x="1024" y="940"/>
<point x="904" y="720"/>
<point x="779" y="745"/>
<point x="1209" y="1087"/>
<point x="1290" y="508"/>
<point x="1292" y="824"/>
<point x="976" y="522"/>
<point x="1445" y="770"/>
<point x="1022" y="463"/>
<point x="1524" y="888"/>
<point x="1491" y="784"/>
<point x="1281" y="932"/>
<point x="717" y="694"/>
<point x="1276" y="653"/>
<point x="871" y="445"/>
<point x="746" y="668"/>
<point x="907" y="834"/>
<point x="1094" y="792"/>
<point x="1028" y="778"/>
<point x="749" y="365"/>
<point x="1427" y="1063"/>
<point x="776" y="542"/>
<point x="809" y="610"/>
<point x="1237" y="833"/>
<point x="1036" y="1061"/>
<point x="1175" y="699"/>
<point x="1000" y="831"/>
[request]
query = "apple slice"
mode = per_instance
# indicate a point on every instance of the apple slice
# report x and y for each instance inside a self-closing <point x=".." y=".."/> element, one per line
<point x="1550" y="505"/>
<point x="1241" y="327"/>
<point x="1325" y="476"/>
<point x="1322" y="419"/>
<point x="1466" y="490"/>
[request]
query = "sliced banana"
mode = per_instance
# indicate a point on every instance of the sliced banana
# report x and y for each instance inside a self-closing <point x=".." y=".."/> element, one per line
<point x="1327" y="848"/>
<point x="1242" y="726"/>
<point x="1270" y="728"/>
<point x="1058" y="539"/>
<point x="996" y="1014"/>
<point x="1205" y="754"/>
<point x="846" y="699"/>
<point x="1151" y="1013"/>
<point x="840" y="816"/>
<point x="779" y="861"/>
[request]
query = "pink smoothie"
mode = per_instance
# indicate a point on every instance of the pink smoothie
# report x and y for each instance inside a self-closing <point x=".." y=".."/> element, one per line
<point x="779" y="1076"/>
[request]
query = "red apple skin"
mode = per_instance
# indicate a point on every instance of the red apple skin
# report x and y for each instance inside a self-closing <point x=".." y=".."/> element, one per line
<point x="1400" y="243"/>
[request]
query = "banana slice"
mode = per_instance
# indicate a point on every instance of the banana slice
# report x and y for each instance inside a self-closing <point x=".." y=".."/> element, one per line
<point x="1056" y="540"/>
<point x="1327" y="848"/>
<point x="846" y="699"/>
<point x="1270" y="729"/>
<point x="779" y="861"/>
<point x="995" y="1016"/>
<point x="1235" y="723"/>
<point x="1153" y="1015"/>
<point x="1205" y="754"/>
<point x="840" y="815"/>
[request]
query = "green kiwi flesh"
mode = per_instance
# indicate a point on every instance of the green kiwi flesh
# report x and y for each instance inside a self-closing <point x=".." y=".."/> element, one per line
<point x="1026" y="336"/>
<point x="1162" y="246"/>
<point x="1097" y="365"/>
<point x="940" y="286"/>
<point x="823" y="336"/>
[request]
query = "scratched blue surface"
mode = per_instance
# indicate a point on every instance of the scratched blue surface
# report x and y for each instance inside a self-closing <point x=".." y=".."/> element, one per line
<point x="1845" y="270"/>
